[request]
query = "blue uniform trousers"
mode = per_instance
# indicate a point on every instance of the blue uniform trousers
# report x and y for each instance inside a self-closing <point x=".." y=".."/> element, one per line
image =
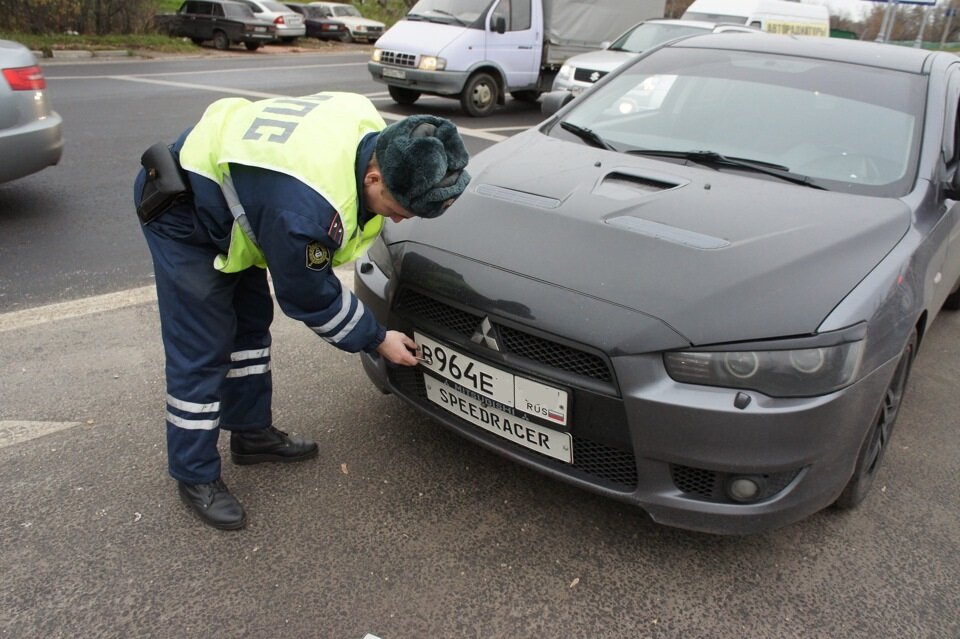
<point x="216" y="337"/>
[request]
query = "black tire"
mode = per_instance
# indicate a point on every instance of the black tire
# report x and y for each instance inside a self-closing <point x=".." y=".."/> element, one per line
<point x="251" y="46"/>
<point x="952" y="303"/>
<point x="403" y="96"/>
<point x="878" y="439"/>
<point x="525" y="96"/>
<point x="346" y="37"/>
<point x="220" y="41"/>
<point x="479" y="96"/>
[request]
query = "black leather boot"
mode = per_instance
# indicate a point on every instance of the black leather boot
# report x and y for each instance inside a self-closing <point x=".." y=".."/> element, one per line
<point x="269" y="445"/>
<point x="214" y="504"/>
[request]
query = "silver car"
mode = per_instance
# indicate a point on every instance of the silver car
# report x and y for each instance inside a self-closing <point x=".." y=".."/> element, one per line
<point x="698" y="287"/>
<point x="30" y="130"/>
<point x="581" y="71"/>
<point x="289" y="23"/>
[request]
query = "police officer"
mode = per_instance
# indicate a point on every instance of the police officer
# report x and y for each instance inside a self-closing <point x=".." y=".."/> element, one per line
<point x="299" y="184"/>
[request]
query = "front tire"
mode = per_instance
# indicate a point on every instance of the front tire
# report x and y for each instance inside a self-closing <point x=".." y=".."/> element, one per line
<point x="403" y="96"/>
<point x="479" y="96"/>
<point x="878" y="439"/>
<point x="220" y="41"/>
<point x="346" y="37"/>
<point x="252" y="46"/>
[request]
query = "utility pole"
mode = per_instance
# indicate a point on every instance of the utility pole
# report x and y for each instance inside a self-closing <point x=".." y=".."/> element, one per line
<point x="918" y="43"/>
<point x="950" y="11"/>
<point x="882" y="35"/>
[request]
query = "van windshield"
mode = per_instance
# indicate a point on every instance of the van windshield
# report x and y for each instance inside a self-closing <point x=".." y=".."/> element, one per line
<point x="818" y="119"/>
<point x="462" y="12"/>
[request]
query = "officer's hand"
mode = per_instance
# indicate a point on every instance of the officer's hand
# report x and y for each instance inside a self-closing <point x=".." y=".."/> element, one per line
<point x="398" y="348"/>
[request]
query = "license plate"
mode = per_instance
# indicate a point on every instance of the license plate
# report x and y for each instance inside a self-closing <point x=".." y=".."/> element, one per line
<point x="520" y="431"/>
<point x="490" y="383"/>
<point x="399" y="74"/>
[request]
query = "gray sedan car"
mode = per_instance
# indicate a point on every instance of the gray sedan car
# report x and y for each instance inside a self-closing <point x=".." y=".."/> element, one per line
<point x="699" y="287"/>
<point x="30" y="131"/>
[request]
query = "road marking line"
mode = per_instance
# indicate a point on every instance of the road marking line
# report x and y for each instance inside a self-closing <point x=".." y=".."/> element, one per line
<point x="207" y="72"/>
<point x="102" y="303"/>
<point x="76" y="308"/>
<point x="15" y="432"/>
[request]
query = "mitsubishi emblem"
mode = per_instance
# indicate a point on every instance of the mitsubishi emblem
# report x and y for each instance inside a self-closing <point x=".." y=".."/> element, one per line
<point x="485" y="336"/>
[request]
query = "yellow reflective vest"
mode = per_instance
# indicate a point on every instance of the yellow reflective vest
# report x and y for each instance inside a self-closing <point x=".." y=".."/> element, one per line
<point x="312" y="138"/>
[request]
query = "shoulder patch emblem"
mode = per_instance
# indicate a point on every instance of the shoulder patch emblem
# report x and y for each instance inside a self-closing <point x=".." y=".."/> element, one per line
<point x="336" y="230"/>
<point x="318" y="256"/>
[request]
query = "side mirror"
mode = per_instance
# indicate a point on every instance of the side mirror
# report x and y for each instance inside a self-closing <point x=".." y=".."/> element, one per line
<point x="499" y="24"/>
<point x="553" y="101"/>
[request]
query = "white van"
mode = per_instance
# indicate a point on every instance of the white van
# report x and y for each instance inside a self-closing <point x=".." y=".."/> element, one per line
<point x="773" y="16"/>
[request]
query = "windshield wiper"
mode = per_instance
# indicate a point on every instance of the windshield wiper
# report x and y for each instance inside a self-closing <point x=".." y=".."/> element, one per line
<point x="587" y="135"/>
<point x="717" y="159"/>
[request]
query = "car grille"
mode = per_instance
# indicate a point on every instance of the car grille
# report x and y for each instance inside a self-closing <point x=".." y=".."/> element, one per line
<point x="708" y="485"/>
<point x="588" y="75"/>
<point x="395" y="58"/>
<point x="602" y="450"/>
<point x="532" y="347"/>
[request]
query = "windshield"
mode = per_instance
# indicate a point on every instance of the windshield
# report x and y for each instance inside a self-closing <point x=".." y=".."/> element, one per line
<point x="650" y="34"/>
<point x="459" y="11"/>
<point x="276" y="7"/>
<point x="846" y="127"/>
<point x="234" y="10"/>
<point x="346" y="10"/>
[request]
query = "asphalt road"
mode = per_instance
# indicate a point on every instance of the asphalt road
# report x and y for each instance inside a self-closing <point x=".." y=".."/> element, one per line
<point x="399" y="529"/>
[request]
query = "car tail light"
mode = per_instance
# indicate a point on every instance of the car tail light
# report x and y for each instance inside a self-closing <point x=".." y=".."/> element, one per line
<point x="279" y="20"/>
<point x="25" y="78"/>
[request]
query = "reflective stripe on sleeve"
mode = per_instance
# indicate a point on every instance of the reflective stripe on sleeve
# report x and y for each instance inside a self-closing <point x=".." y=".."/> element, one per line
<point x="357" y="316"/>
<point x="346" y="301"/>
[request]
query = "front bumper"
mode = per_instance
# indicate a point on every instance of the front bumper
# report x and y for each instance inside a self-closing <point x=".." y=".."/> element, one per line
<point x="638" y="436"/>
<point x="436" y="82"/>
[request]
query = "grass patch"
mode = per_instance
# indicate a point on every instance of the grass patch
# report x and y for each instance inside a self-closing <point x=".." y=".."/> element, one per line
<point x="61" y="42"/>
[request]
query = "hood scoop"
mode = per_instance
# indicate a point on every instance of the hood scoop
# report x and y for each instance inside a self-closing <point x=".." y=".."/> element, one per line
<point x="625" y="186"/>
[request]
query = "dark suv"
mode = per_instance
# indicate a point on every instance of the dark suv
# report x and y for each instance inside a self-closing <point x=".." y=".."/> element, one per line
<point x="223" y="21"/>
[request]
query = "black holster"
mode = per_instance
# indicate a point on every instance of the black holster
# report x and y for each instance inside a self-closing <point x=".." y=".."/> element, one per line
<point x="166" y="183"/>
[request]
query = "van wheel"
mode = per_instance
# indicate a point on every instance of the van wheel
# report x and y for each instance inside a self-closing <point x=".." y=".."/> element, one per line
<point x="220" y="41"/>
<point x="403" y="96"/>
<point x="878" y="439"/>
<point x="479" y="96"/>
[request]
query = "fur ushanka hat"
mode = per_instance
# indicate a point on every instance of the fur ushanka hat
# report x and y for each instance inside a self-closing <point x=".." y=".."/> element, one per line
<point x="422" y="158"/>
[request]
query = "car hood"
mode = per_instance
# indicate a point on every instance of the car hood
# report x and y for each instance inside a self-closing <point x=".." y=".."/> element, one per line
<point x="718" y="256"/>
<point x="604" y="60"/>
<point x="354" y="21"/>
<point x="413" y="36"/>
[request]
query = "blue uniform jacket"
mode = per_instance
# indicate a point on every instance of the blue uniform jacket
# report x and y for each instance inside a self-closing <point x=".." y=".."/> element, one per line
<point x="287" y="216"/>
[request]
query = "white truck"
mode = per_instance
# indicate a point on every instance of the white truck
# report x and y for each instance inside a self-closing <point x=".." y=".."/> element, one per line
<point x="774" y="16"/>
<point x="480" y="51"/>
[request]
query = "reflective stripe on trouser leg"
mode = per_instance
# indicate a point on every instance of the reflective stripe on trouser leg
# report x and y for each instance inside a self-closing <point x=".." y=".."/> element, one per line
<point x="199" y="329"/>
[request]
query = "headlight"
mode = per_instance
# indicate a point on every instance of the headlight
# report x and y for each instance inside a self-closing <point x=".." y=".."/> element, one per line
<point x="801" y="372"/>
<point x="432" y="63"/>
<point x="376" y="55"/>
<point x="566" y="72"/>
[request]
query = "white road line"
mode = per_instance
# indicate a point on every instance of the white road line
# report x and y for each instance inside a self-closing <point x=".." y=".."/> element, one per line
<point x="103" y="303"/>
<point x="14" y="432"/>
<point x="295" y="67"/>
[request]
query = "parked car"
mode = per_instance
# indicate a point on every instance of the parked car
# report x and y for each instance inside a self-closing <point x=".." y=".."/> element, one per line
<point x="289" y="23"/>
<point x="707" y="307"/>
<point x="317" y="24"/>
<point x="358" y="27"/>
<point x="581" y="71"/>
<point x="223" y="21"/>
<point x="31" y="137"/>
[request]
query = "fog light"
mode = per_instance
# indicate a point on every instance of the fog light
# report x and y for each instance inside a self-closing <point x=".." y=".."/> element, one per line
<point x="743" y="488"/>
